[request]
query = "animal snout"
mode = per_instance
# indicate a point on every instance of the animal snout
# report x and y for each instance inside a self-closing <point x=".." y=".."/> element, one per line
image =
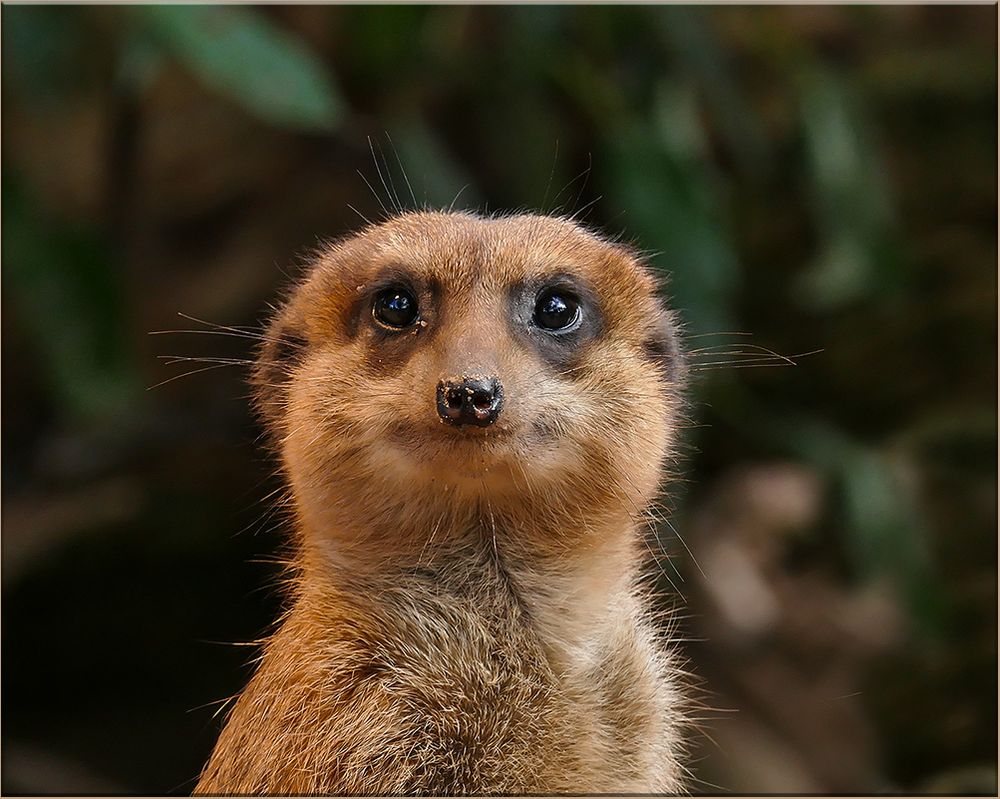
<point x="470" y="400"/>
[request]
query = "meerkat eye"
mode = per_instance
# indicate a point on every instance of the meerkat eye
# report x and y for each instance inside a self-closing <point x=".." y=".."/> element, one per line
<point x="556" y="309"/>
<point x="395" y="307"/>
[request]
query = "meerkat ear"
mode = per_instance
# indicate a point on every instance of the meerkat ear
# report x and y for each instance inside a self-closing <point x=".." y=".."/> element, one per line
<point x="281" y="351"/>
<point x="662" y="346"/>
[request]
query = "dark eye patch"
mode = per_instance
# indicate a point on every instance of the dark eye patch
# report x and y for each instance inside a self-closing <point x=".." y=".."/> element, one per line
<point x="373" y="295"/>
<point x="559" y="345"/>
<point x="398" y="312"/>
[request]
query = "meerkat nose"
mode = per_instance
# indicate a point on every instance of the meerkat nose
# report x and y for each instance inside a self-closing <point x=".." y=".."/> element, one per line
<point x="470" y="400"/>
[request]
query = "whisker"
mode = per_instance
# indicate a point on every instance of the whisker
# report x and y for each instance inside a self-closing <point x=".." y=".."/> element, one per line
<point x="583" y="209"/>
<point x="459" y="194"/>
<point x="188" y="374"/>
<point x="728" y="333"/>
<point x="579" y="194"/>
<point x="200" y="359"/>
<point x="555" y="200"/>
<point x="365" y="218"/>
<point x="684" y="544"/>
<point x="239" y="334"/>
<point x="402" y="170"/>
<point x="552" y="174"/>
<point x="378" y="197"/>
<point x="389" y="193"/>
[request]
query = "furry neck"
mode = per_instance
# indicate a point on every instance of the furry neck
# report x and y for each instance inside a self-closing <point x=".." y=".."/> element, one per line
<point x="484" y="569"/>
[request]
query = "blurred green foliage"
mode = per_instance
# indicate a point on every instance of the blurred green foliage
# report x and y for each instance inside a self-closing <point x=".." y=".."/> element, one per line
<point x="860" y="256"/>
<point x="238" y="54"/>
<point x="779" y="167"/>
<point x="65" y="283"/>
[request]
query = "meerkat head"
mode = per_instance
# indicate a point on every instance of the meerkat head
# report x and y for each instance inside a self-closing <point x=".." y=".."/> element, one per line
<point x="442" y="360"/>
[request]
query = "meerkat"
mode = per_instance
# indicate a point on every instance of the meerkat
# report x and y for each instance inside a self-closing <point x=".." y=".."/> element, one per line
<point x="473" y="416"/>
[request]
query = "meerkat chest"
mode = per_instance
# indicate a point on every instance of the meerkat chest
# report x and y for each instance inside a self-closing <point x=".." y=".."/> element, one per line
<point x="487" y="687"/>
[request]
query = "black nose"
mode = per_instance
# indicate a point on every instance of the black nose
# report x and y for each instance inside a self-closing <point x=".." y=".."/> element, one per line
<point x="471" y="400"/>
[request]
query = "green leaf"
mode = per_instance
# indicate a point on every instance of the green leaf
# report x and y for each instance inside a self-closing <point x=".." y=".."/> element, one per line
<point x="702" y="58"/>
<point x="239" y="53"/>
<point x="384" y="43"/>
<point x="859" y="256"/>
<point x="660" y="177"/>
<point x="886" y="534"/>
<point x="68" y="301"/>
<point x="43" y="49"/>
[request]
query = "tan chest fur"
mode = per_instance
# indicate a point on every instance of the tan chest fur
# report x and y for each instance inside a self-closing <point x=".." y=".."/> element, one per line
<point x="430" y="686"/>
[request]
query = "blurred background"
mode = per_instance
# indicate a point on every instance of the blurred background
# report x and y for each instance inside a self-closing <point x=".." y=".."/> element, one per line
<point x="814" y="179"/>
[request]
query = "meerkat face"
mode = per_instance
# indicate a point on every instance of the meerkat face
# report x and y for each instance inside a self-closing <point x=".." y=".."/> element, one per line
<point x="478" y="358"/>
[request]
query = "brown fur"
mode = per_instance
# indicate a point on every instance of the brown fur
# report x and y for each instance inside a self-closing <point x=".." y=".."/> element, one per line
<point x="465" y="616"/>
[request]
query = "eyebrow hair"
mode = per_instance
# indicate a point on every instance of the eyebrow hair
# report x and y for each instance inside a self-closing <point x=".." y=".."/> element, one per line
<point x="393" y="273"/>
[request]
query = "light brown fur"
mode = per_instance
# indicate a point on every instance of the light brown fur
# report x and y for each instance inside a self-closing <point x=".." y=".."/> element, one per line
<point x="465" y="615"/>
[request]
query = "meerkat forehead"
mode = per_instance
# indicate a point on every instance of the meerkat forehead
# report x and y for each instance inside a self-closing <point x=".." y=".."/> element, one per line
<point x="463" y="248"/>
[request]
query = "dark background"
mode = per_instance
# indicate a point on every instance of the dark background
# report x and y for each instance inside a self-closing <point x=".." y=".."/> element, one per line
<point x="814" y="178"/>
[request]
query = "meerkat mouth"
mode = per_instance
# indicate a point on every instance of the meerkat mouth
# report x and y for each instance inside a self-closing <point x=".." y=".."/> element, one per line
<point x="432" y="440"/>
<point x="462" y="455"/>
